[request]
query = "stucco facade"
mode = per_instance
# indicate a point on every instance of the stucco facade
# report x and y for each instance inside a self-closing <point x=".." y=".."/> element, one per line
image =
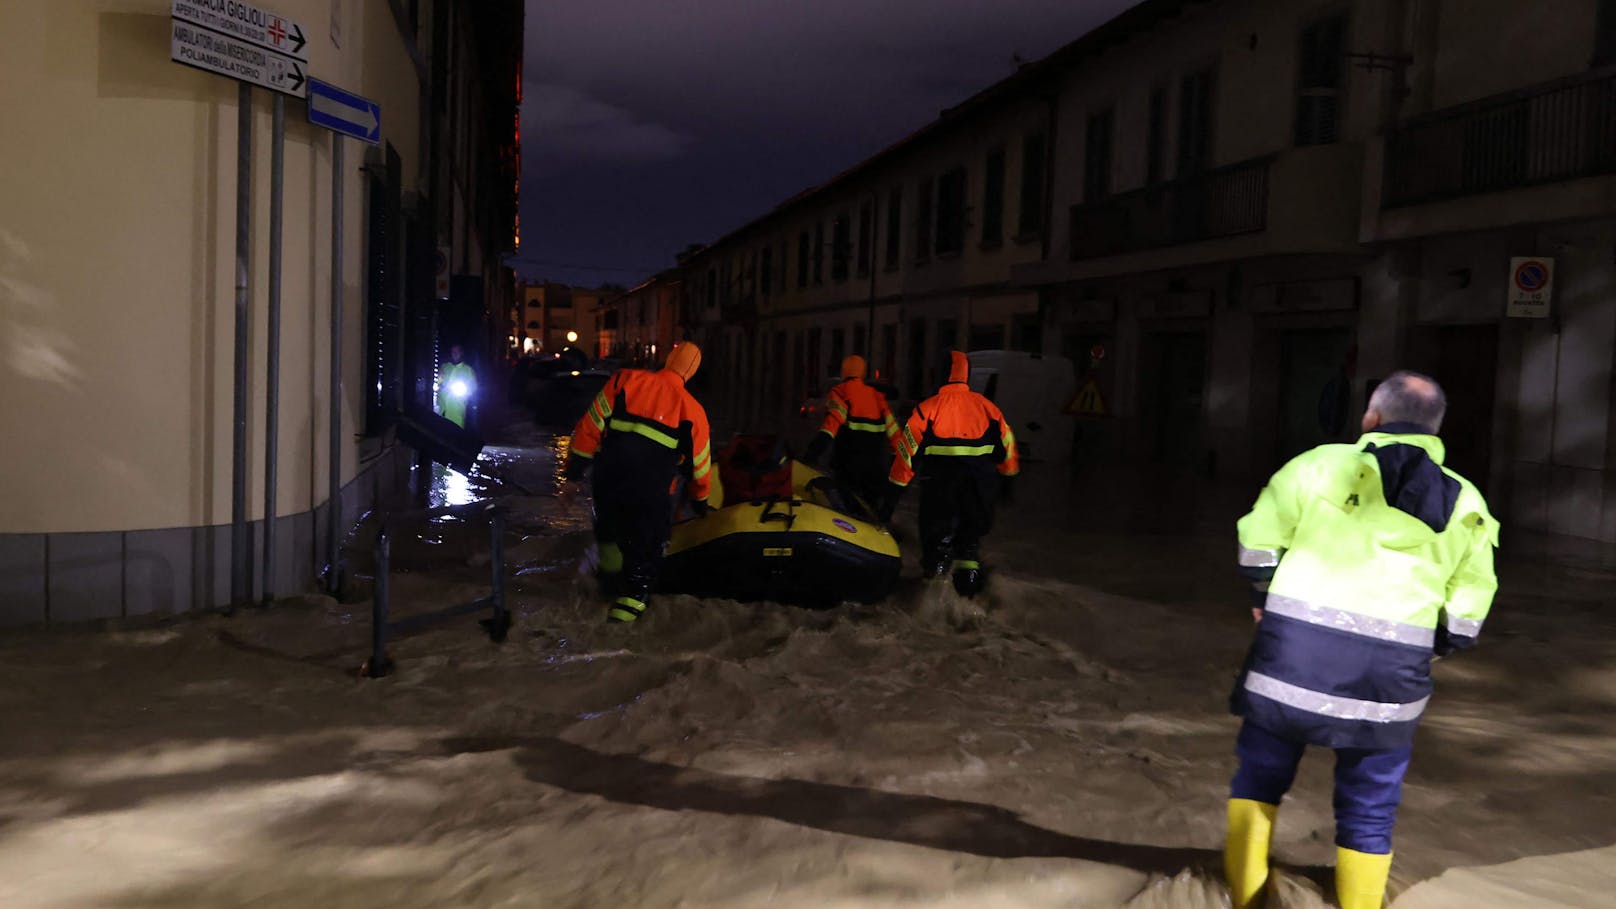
<point x="117" y="281"/>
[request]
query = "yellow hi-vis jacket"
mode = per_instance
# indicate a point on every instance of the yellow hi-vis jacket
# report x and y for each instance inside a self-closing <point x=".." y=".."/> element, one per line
<point x="1375" y="557"/>
<point x="457" y="385"/>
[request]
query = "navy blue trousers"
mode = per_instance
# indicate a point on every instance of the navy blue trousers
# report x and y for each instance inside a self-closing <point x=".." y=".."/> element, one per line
<point x="1368" y="784"/>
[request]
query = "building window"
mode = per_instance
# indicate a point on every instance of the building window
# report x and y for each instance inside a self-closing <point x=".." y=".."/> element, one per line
<point x="1195" y="122"/>
<point x="777" y="374"/>
<point x="993" y="199"/>
<point x="838" y="350"/>
<point x="802" y="259"/>
<point x="819" y="253"/>
<point x="841" y="246"/>
<point x="865" y="240"/>
<point x="947" y="340"/>
<point x="1027" y="333"/>
<point x="751" y="275"/>
<point x="1097" y="157"/>
<point x="951" y="212"/>
<point x="894" y="226"/>
<point x="1605" y="34"/>
<point x="1156" y="152"/>
<point x="889" y="353"/>
<point x="987" y="337"/>
<point x="1030" y="222"/>
<point x="766" y="268"/>
<point x="923" y="220"/>
<point x="712" y="288"/>
<point x="858" y="341"/>
<point x="816" y="364"/>
<point x="799" y="373"/>
<point x="917" y="356"/>
<point x="1318" y="84"/>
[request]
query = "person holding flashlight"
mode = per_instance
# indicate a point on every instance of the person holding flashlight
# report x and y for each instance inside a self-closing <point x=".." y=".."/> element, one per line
<point x="457" y="386"/>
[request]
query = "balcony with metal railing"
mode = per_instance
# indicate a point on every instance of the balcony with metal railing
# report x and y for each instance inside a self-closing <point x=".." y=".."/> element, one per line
<point x="1224" y="202"/>
<point x="1550" y="133"/>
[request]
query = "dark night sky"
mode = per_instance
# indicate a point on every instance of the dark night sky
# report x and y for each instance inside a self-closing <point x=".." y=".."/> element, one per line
<point x="648" y="125"/>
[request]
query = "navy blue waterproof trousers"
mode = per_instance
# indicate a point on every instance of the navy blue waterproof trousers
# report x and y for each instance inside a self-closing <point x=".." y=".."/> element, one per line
<point x="1368" y="784"/>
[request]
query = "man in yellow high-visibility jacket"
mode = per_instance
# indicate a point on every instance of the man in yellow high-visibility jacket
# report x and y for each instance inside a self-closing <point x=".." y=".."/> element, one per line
<point x="1369" y="559"/>
<point x="457" y="387"/>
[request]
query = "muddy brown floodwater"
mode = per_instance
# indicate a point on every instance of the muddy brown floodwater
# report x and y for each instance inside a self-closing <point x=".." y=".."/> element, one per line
<point x="1063" y="742"/>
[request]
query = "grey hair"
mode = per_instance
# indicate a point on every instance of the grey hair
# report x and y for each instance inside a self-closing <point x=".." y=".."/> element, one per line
<point x="1409" y="397"/>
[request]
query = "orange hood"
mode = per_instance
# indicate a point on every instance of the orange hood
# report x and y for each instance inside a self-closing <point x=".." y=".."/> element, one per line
<point x="959" y="367"/>
<point x="683" y="360"/>
<point x="854" y="367"/>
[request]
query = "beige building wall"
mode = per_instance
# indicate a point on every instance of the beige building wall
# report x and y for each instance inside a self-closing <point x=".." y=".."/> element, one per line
<point x="117" y="272"/>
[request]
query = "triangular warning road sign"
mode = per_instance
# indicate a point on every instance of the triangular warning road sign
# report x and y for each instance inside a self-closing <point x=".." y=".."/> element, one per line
<point x="1087" y="402"/>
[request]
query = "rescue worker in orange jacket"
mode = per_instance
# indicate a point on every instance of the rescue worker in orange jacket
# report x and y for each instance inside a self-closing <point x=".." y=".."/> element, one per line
<point x="642" y="426"/>
<point x="959" y="442"/>
<point x="859" y="424"/>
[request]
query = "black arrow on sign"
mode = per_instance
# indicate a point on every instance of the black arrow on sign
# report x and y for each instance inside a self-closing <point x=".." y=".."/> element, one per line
<point x="297" y="35"/>
<point x="297" y="77"/>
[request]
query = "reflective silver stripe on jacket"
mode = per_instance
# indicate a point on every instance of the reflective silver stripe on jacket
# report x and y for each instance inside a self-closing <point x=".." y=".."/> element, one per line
<point x="1351" y="622"/>
<point x="1258" y="558"/>
<point x="1332" y="705"/>
<point x="1468" y="627"/>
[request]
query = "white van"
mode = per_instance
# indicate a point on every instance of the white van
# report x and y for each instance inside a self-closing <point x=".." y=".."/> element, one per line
<point x="1033" y="391"/>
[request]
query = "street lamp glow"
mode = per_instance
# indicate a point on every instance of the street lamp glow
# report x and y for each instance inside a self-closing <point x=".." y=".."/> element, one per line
<point x="572" y="337"/>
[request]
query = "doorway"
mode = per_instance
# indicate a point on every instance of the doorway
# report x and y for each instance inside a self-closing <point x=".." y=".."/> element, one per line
<point x="1177" y="370"/>
<point x="1464" y="361"/>
<point x="1314" y="390"/>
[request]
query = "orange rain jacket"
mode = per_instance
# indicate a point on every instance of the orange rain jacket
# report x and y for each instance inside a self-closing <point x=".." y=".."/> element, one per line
<point x="955" y="423"/>
<point x="654" y="406"/>
<point x="857" y="407"/>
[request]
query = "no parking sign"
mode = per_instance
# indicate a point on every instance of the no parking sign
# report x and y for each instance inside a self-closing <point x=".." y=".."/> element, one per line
<point x="1531" y="283"/>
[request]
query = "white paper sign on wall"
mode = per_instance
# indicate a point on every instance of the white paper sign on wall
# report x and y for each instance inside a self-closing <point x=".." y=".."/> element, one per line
<point x="1531" y="286"/>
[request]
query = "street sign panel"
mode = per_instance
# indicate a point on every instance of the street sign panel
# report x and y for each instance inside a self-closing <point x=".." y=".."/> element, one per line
<point x="248" y="23"/>
<point x="344" y="112"/>
<point x="208" y="50"/>
<point x="1531" y="287"/>
<point x="1087" y="402"/>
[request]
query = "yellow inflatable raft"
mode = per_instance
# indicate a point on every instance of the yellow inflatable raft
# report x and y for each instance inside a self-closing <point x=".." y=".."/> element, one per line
<point x="786" y="533"/>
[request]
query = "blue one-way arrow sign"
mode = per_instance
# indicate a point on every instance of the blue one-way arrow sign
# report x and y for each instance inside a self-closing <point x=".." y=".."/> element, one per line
<point x="344" y="112"/>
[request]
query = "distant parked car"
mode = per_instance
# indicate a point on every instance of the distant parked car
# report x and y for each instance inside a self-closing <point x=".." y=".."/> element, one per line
<point x="1033" y="391"/>
<point x="559" y="388"/>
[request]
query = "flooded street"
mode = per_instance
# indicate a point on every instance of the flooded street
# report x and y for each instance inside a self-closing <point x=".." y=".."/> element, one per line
<point x="1062" y="742"/>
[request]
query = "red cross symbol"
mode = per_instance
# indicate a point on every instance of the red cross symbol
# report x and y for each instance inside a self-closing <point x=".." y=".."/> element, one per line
<point x="277" y="31"/>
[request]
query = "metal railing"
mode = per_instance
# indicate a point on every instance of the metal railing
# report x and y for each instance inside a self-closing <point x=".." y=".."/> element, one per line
<point x="1222" y="202"/>
<point x="1556" y="131"/>
<point x="497" y="625"/>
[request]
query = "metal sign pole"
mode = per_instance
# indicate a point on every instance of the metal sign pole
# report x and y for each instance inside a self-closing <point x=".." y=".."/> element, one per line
<point x="277" y="182"/>
<point x="333" y="507"/>
<point x="240" y="541"/>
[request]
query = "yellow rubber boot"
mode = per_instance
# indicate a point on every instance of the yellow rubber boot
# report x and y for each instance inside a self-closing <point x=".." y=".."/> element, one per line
<point x="1360" y="878"/>
<point x="1245" y="851"/>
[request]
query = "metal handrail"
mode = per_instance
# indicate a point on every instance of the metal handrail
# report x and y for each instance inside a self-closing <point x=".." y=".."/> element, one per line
<point x="497" y="625"/>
